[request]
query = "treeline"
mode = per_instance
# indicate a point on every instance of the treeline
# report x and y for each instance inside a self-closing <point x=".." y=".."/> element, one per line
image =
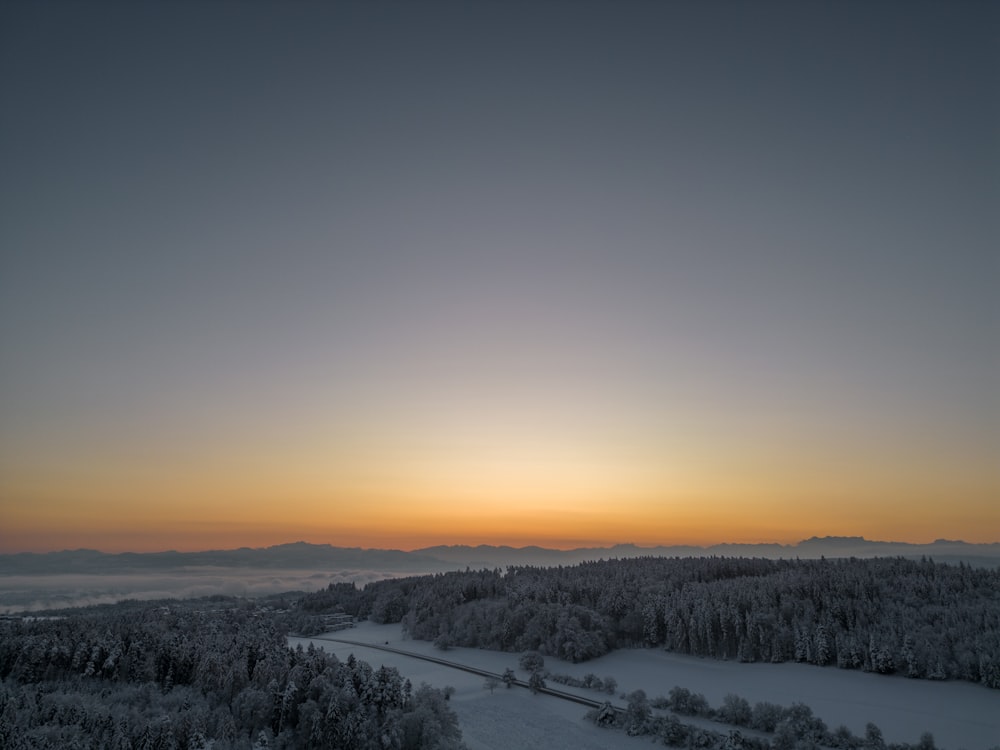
<point x="786" y="728"/>
<point x="890" y="615"/>
<point x="166" y="678"/>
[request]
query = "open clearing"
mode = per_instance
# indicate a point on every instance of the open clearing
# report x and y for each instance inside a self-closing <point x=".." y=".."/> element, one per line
<point x="958" y="714"/>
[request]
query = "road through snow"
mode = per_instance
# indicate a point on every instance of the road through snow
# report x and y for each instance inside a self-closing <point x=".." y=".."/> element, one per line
<point x="958" y="714"/>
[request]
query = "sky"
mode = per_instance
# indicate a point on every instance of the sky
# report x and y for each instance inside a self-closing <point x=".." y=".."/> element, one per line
<point x="392" y="274"/>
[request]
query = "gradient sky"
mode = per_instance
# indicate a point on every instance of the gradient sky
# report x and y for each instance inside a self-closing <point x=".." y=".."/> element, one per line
<point x="567" y="273"/>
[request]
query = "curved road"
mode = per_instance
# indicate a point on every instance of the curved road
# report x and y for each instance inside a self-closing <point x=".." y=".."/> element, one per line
<point x="474" y="670"/>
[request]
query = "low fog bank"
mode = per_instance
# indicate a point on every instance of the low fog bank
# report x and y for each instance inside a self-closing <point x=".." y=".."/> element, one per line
<point x="33" y="581"/>
<point x="302" y="556"/>
<point x="31" y="593"/>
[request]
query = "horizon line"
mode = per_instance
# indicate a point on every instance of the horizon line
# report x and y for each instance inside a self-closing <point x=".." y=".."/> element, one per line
<point x="597" y="546"/>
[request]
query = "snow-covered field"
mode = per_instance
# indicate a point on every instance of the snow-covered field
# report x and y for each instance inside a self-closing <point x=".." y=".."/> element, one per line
<point x="958" y="714"/>
<point x="504" y="719"/>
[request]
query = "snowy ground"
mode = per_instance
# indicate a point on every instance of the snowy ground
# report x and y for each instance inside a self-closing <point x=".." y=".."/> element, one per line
<point x="504" y="719"/>
<point x="959" y="715"/>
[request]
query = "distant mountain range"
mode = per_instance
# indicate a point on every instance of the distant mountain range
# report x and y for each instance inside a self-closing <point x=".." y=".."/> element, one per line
<point x="294" y="556"/>
<point x="941" y="550"/>
<point x="303" y="556"/>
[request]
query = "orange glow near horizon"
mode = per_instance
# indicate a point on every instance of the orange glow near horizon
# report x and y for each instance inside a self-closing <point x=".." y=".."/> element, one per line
<point x="411" y="480"/>
<point x="420" y="505"/>
<point x="414" y="480"/>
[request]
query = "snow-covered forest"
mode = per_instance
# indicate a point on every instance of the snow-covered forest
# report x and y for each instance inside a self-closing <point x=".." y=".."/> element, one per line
<point x="917" y="618"/>
<point x="218" y="673"/>
<point x="183" y="678"/>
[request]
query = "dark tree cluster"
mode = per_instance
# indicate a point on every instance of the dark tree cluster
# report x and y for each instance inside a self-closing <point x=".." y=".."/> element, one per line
<point x="590" y="681"/>
<point x="165" y="678"/>
<point x="890" y="615"/>
<point x="337" y="597"/>
<point x="774" y="727"/>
